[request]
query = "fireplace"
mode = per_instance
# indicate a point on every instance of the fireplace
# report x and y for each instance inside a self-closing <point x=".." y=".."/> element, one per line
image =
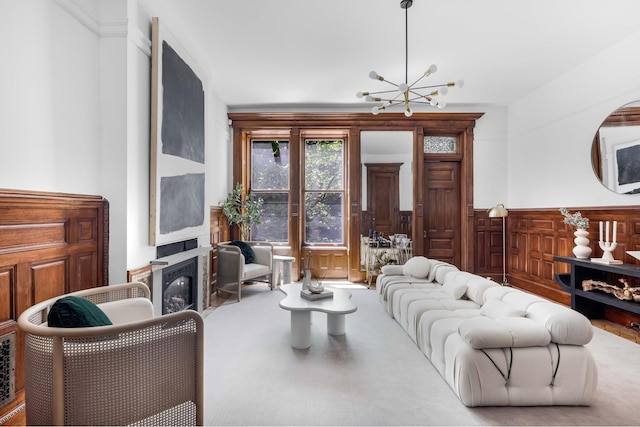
<point x="179" y="290"/>
<point x="180" y="277"/>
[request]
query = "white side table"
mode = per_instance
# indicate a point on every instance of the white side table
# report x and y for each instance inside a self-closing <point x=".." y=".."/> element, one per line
<point x="300" y="308"/>
<point x="282" y="269"/>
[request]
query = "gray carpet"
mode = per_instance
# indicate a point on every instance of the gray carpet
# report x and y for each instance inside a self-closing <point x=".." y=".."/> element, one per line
<point x="373" y="375"/>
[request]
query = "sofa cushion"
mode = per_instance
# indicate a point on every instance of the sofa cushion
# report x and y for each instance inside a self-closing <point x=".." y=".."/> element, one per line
<point x="477" y="286"/>
<point x="393" y="270"/>
<point x="246" y="250"/>
<point x="417" y="267"/>
<point x="483" y="332"/>
<point x="76" y="312"/>
<point x="454" y="288"/>
<point x="496" y="309"/>
<point x="565" y="325"/>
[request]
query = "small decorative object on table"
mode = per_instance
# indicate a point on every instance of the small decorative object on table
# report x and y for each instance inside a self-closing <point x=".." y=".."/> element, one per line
<point x="607" y="246"/>
<point x="314" y="296"/>
<point x="311" y="290"/>
<point x="582" y="250"/>
<point x="306" y="279"/>
<point x="624" y="292"/>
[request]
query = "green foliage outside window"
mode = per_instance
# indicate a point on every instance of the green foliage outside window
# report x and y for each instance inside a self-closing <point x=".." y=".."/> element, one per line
<point x="324" y="185"/>
<point x="270" y="180"/>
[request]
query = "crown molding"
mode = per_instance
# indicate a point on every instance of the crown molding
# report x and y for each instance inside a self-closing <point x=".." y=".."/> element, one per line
<point x="108" y="27"/>
<point x="80" y="13"/>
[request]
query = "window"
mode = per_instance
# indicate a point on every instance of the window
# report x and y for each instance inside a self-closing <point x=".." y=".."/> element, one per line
<point x="324" y="191"/>
<point x="270" y="182"/>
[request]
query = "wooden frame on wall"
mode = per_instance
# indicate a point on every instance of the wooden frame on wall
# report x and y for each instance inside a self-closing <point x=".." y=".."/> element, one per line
<point x="178" y="152"/>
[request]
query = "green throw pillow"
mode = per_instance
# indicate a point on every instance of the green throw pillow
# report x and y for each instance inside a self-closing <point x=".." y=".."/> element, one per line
<point x="76" y="312"/>
<point x="246" y="250"/>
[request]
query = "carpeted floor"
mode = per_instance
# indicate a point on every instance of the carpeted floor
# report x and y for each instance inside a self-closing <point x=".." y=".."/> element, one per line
<point x="373" y="375"/>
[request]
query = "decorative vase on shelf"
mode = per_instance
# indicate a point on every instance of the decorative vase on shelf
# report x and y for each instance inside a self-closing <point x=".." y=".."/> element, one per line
<point x="582" y="250"/>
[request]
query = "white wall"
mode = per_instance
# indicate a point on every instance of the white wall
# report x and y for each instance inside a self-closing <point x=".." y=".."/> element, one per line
<point x="49" y="116"/>
<point x="551" y="131"/>
<point x="75" y="113"/>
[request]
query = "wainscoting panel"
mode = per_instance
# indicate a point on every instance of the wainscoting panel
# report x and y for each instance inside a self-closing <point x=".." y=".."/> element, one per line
<point x="535" y="236"/>
<point x="50" y="244"/>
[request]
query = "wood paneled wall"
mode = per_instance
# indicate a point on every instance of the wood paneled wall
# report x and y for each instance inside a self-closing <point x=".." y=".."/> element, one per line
<point x="218" y="232"/>
<point x="535" y="236"/>
<point x="50" y="244"/>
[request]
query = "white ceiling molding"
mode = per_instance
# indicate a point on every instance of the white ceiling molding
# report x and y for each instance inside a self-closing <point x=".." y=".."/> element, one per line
<point x="112" y="27"/>
<point x="84" y="16"/>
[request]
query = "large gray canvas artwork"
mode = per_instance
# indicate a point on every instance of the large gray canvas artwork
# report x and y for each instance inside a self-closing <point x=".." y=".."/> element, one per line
<point x="177" y="170"/>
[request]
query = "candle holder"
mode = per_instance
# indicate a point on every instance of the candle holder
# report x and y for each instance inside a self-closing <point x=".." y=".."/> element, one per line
<point x="607" y="250"/>
<point x="607" y="246"/>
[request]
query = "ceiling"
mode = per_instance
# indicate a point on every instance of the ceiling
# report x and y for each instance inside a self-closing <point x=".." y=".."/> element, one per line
<point x="318" y="53"/>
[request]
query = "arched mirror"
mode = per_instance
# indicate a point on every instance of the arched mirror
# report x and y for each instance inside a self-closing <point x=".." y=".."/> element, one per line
<point x="615" y="152"/>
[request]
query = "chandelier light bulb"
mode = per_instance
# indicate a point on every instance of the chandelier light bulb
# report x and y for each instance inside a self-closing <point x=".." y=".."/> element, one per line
<point x="374" y="76"/>
<point x="433" y="102"/>
<point x="443" y="91"/>
<point x="359" y="94"/>
<point x="460" y="83"/>
<point x="375" y="110"/>
<point x="408" y="112"/>
<point x="442" y="104"/>
<point x="402" y="87"/>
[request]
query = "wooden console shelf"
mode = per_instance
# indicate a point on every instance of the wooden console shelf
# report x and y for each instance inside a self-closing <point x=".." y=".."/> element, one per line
<point x="592" y="304"/>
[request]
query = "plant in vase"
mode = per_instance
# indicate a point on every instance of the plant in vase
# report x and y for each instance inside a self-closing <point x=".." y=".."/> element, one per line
<point x="582" y="249"/>
<point x="243" y="210"/>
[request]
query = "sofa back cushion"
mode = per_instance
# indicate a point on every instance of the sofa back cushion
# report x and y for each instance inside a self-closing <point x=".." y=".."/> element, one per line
<point x="565" y="325"/>
<point x="477" y="286"/>
<point x="483" y="332"/>
<point x="393" y="270"/>
<point x="496" y="309"/>
<point x="417" y="267"/>
<point x="454" y="288"/>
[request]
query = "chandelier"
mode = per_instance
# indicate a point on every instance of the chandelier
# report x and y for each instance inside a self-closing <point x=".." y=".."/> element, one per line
<point x="405" y="94"/>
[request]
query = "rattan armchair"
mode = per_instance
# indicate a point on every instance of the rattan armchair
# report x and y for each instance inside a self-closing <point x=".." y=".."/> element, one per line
<point x="233" y="271"/>
<point x="142" y="370"/>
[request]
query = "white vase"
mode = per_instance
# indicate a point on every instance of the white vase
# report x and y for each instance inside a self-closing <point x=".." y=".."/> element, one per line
<point x="582" y="250"/>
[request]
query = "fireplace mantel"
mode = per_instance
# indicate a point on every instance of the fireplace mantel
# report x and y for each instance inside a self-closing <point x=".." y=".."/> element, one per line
<point x="203" y="255"/>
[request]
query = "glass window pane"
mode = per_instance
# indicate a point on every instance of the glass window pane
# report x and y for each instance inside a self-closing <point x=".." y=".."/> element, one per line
<point x="270" y="165"/>
<point x="323" y="218"/>
<point x="440" y="144"/>
<point x="275" y="218"/>
<point x="323" y="164"/>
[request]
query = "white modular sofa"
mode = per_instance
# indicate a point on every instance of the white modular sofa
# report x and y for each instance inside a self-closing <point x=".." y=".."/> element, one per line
<point x="494" y="345"/>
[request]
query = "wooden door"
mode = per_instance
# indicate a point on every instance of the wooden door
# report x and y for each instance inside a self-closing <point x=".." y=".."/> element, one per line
<point x="383" y="196"/>
<point x="442" y="217"/>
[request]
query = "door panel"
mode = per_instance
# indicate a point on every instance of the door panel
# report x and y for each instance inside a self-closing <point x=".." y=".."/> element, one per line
<point x="442" y="221"/>
<point x="383" y="196"/>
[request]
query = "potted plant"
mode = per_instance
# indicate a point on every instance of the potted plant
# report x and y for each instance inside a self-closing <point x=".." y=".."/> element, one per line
<point x="242" y="209"/>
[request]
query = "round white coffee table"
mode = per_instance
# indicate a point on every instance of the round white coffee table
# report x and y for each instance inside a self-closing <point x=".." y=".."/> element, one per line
<point x="336" y="308"/>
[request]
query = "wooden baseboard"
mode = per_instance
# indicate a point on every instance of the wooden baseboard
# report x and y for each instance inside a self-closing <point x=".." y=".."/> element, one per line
<point x="13" y="414"/>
